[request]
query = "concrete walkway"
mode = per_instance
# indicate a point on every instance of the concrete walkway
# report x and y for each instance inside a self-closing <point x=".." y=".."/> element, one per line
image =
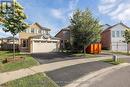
<point x="8" y="76"/>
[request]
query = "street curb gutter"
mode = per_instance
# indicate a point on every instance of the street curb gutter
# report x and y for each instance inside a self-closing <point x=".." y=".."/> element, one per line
<point x="88" y="78"/>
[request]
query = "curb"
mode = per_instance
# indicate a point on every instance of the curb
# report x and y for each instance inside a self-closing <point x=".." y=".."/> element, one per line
<point x="88" y="78"/>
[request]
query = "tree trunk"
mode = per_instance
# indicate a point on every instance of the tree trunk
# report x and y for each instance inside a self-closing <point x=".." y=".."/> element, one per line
<point x="13" y="46"/>
<point x="84" y="49"/>
<point x="127" y="48"/>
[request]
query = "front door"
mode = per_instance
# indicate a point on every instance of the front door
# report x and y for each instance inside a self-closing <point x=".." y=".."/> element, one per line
<point x="24" y="45"/>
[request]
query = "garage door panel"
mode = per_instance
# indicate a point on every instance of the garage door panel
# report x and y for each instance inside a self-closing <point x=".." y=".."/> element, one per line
<point x="40" y="47"/>
<point x="119" y="47"/>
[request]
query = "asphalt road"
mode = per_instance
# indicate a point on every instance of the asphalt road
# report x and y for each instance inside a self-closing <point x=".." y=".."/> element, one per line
<point x="118" y="78"/>
<point x="66" y="75"/>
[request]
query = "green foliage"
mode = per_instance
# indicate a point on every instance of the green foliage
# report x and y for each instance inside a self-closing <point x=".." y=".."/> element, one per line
<point x="85" y="29"/>
<point x="127" y="36"/>
<point x="13" y="18"/>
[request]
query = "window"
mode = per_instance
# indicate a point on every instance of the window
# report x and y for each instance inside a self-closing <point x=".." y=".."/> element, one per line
<point x="25" y="43"/>
<point x="113" y="33"/>
<point x="24" y="31"/>
<point x="117" y="33"/>
<point x="39" y="31"/>
<point x="122" y="33"/>
<point x="32" y="30"/>
<point x="47" y="32"/>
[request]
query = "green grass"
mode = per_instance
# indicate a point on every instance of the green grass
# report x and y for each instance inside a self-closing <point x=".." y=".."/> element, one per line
<point x="37" y="80"/>
<point x="123" y="53"/>
<point x="115" y="52"/>
<point x="86" y="55"/>
<point x="111" y="61"/>
<point x="27" y="62"/>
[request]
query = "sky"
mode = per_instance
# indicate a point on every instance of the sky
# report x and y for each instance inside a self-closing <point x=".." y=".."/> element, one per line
<point x="56" y="14"/>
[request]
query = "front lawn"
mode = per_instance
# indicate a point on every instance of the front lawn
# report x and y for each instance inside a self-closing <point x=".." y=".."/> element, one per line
<point x="122" y="53"/>
<point x="86" y="55"/>
<point x="111" y="61"/>
<point x="10" y="66"/>
<point x="37" y="80"/>
<point x="115" y="52"/>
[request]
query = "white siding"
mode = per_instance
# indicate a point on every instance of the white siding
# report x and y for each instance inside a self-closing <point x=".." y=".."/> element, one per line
<point x="117" y="43"/>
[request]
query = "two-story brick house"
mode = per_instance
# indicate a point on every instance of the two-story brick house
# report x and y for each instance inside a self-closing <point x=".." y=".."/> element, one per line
<point x="36" y="39"/>
<point x="112" y="37"/>
<point x="64" y="35"/>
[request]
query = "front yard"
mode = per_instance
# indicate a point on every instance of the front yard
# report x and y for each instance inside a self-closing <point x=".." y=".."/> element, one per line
<point x="111" y="61"/>
<point x="37" y="80"/>
<point x="10" y="66"/>
<point x="86" y="55"/>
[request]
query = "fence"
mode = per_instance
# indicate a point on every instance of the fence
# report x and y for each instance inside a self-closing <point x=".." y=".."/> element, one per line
<point x="9" y="47"/>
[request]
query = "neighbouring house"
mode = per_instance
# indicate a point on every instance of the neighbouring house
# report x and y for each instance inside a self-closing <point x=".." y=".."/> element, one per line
<point x="112" y="37"/>
<point x="37" y="39"/>
<point x="64" y="35"/>
<point x="7" y="43"/>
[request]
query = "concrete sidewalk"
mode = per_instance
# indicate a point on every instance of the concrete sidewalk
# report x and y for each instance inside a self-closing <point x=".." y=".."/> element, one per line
<point x="8" y="76"/>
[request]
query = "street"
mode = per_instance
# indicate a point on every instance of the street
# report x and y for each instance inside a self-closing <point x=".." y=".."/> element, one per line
<point x="117" y="78"/>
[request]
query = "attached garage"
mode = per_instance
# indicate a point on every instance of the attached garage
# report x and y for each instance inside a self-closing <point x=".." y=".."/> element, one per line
<point x="119" y="46"/>
<point x="40" y="44"/>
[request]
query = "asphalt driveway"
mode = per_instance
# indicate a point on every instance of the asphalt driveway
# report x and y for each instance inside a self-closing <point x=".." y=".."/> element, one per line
<point x="44" y="58"/>
<point x="68" y="74"/>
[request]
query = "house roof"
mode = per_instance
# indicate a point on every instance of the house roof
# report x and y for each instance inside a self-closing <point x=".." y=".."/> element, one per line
<point x="64" y="29"/>
<point x="43" y="28"/>
<point x="116" y="25"/>
<point x="9" y="38"/>
<point x="105" y="24"/>
<point x="45" y="36"/>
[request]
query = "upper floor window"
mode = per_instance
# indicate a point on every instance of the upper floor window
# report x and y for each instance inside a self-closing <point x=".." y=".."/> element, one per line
<point x="32" y="30"/>
<point x="122" y="33"/>
<point x="117" y="33"/>
<point x="47" y="32"/>
<point x="39" y="31"/>
<point x="113" y="33"/>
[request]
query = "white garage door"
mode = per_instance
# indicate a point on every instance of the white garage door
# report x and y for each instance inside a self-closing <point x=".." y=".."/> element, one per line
<point x="119" y="46"/>
<point x="43" y="47"/>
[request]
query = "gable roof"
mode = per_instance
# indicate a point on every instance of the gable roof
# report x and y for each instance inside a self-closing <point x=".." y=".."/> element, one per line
<point x="109" y="28"/>
<point x="43" y="28"/>
<point x="64" y="29"/>
<point x="105" y="25"/>
<point x="45" y="36"/>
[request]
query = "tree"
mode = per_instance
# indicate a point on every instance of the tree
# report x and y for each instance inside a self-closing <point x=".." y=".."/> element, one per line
<point x="13" y="19"/>
<point x="85" y="29"/>
<point x="127" y="38"/>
